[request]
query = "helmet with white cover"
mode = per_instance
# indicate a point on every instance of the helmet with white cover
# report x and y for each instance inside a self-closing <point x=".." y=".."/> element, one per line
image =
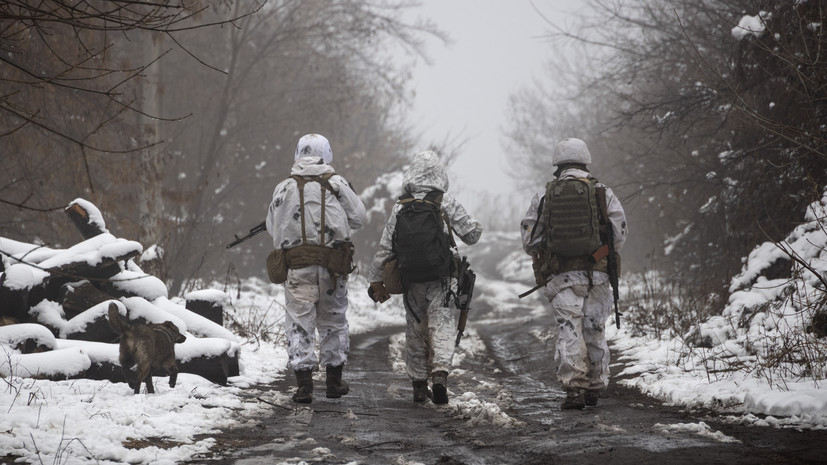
<point x="571" y="150"/>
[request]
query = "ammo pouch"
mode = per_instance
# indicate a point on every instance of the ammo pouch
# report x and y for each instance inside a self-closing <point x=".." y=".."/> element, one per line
<point x="544" y="267"/>
<point x="391" y="277"/>
<point x="338" y="259"/>
<point x="277" y="266"/>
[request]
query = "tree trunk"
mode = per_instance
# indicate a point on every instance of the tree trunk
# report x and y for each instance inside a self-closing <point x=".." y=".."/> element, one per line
<point x="151" y="172"/>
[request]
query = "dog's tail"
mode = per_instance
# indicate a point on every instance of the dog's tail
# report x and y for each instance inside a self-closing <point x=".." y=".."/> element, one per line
<point x="116" y="321"/>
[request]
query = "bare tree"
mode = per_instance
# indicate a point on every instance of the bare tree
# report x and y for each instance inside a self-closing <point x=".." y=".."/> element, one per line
<point x="77" y="112"/>
<point x="293" y="68"/>
<point x="713" y="127"/>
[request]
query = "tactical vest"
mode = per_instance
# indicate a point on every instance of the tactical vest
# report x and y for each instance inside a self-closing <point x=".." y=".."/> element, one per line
<point x="571" y="217"/>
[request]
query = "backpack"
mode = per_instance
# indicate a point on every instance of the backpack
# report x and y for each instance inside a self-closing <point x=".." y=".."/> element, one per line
<point x="571" y="217"/>
<point x="420" y="243"/>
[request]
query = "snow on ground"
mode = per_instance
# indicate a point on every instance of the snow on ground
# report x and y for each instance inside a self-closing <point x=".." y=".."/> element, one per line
<point x="748" y="360"/>
<point x="86" y="421"/>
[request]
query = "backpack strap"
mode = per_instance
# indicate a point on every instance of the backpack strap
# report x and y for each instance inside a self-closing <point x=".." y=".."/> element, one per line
<point x="324" y="182"/>
<point x="539" y="212"/>
<point x="435" y="197"/>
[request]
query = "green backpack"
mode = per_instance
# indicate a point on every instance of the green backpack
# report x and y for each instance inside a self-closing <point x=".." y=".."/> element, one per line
<point x="571" y="217"/>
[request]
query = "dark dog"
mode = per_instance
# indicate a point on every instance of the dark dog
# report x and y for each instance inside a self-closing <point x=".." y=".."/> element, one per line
<point x="148" y="346"/>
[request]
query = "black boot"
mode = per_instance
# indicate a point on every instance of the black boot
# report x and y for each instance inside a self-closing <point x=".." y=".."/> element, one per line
<point x="575" y="400"/>
<point x="335" y="386"/>
<point x="591" y="398"/>
<point x="304" y="393"/>
<point x="440" y="387"/>
<point x="420" y="390"/>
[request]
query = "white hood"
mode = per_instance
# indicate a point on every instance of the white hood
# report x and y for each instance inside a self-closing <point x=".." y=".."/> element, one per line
<point x="425" y="174"/>
<point x="310" y="166"/>
<point x="315" y="146"/>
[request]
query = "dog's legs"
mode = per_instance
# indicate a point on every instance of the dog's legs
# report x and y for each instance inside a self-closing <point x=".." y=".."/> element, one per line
<point x="172" y="370"/>
<point x="145" y="375"/>
<point x="129" y="376"/>
<point x="173" y="375"/>
<point x="126" y="364"/>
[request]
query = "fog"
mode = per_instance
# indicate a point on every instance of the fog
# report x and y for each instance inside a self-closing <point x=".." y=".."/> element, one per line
<point x="462" y="94"/>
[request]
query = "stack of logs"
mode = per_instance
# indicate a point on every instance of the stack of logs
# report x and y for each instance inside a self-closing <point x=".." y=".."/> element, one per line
<point x="79" y="286"/>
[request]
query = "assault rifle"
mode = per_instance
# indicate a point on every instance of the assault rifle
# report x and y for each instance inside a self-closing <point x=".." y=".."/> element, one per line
<point x="465" y="289"/>
<point x="612" y="257"/>
<point x="259" y="228"/>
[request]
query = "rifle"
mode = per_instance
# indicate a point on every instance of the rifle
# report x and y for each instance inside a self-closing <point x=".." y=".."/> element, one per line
<point x="259" y="228"/>
<point x="612" y="257"/>
<point x="465" y="289"/>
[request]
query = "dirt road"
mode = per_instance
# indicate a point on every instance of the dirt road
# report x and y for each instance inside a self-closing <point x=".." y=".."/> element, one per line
<point x="504" y="409"/>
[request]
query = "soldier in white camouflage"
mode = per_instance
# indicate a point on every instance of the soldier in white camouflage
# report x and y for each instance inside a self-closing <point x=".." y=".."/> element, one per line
<point x="316" y="299"/>
<point x="429" y="341"/>
<point x="580" y="294"/>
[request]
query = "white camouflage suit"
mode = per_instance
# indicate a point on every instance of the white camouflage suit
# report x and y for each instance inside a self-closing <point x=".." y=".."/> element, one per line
<point x="582" y="354"/>
<point x="315" y="300"/>
<point x="429" y="343"/>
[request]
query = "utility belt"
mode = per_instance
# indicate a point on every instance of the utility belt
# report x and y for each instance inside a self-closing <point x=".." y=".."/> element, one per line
<point x="553" y="264"/>
<point x="337" y="259"/>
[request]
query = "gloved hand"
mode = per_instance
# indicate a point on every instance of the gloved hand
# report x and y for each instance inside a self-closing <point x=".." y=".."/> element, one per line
<point x="377" y="292"/>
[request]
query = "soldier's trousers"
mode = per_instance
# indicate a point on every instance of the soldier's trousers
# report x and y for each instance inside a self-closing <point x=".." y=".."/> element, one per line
<point x="582" y="354"/>
<point x="429" y="342"/>
<point x="315" y="301"/>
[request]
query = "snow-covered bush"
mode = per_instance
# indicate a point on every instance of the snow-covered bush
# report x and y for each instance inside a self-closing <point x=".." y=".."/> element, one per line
<point x="773" y="326"/>
<point x="652" y="306"/>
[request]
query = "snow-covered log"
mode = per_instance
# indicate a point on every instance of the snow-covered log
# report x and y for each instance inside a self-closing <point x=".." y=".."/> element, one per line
<point x="86" y="217"/>
<point x="27" y="338"/>
<point x="79" y="297"/>
<point x="53" y="365"/>
<point x="208" y="303"/>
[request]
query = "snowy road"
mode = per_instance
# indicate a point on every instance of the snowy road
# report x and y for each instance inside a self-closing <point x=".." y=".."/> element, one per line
<point x="503" y="410"/>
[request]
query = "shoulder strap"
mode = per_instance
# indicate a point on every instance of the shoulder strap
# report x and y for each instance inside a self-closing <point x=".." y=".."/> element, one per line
<point x="602" y="204"/>
<point x="324" y="182"/>
<point x="450" y="229"/>
<point x="433" y="197"/>
<point x="323" y="179"/>
<point x="406" y="198"/>
<point x="539" y="212"/>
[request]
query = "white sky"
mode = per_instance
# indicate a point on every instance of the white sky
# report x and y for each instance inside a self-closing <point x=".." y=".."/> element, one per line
<point x="496" y="47"/>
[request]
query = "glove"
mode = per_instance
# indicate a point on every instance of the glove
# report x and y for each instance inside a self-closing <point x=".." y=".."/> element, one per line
<point x="377" y="292"/>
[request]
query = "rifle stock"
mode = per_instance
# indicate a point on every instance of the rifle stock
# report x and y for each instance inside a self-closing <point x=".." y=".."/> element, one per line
<point x="259" y="228"/>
